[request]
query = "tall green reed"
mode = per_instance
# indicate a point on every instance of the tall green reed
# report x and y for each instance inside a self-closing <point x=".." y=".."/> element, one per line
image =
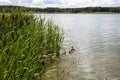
<point x="27" y="45"/>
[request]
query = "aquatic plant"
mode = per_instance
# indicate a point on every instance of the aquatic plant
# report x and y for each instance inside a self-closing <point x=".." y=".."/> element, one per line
<point x="27" y="45"/>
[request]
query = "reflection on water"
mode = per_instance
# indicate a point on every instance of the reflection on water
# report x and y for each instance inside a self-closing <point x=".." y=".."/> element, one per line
<point x="96" y="38"/>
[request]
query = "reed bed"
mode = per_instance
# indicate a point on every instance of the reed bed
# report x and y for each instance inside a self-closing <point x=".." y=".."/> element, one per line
<point x="27" y="45"/>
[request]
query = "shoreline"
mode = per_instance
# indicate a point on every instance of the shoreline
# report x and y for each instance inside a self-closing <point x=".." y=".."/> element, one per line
<point x="79" y="13"/>
<point x="73" y="13"/>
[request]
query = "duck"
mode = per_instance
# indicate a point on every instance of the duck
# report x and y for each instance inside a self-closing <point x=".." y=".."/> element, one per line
<point x="70" y="52"/>
<point x="72" y="49"/>
<point x="64" y="53"/>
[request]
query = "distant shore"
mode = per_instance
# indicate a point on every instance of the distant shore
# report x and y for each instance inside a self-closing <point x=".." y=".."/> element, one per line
<point x="57" y="10"/>
<point x="73" y="13"/>
<point x="78" y="13"/>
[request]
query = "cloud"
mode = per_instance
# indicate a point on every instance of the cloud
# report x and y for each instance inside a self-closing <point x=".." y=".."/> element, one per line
<point x="15" y="2"/>
<point x="61" y="3"/>
<point x="77" y="3"/>
<point x="26" y="1"/>
<point x="4" y="2"/>
<point x="38" y="1"/>
<point x="94" y="3"/>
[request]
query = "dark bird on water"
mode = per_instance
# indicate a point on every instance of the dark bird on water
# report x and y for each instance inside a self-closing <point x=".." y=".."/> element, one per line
<point x="64" y="53"/>
<point x="71" y="50"/>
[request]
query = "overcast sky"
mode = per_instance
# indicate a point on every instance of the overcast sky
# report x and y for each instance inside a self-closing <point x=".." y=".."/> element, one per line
<point x="61" y="3"/>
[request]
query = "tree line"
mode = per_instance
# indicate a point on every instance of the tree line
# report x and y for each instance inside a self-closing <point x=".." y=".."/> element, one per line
<point x="63" y="10"/>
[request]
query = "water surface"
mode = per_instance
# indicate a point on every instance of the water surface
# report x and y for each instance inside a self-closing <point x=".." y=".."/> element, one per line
<point x="96" y="38"/>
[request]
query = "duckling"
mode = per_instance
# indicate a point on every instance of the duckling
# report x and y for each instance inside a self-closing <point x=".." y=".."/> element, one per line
<point x="64" y="53"/>
<point x="70" y="52"/>
<point x="72" y="49"/>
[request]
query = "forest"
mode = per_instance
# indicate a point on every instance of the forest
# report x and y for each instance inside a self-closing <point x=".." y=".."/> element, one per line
<point x="64" y="10"/>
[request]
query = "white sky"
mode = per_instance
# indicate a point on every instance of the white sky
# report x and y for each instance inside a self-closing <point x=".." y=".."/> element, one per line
<point x="61" y="3"/>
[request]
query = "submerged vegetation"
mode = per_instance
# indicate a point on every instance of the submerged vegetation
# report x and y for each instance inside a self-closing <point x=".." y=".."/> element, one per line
<point x="28" y="45"/>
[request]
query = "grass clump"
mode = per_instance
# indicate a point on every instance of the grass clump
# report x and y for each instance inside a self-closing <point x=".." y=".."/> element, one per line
<point x="27" y="45"/>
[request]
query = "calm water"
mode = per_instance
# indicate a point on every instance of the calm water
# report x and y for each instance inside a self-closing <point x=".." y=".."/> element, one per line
<point x="96" y="38"/>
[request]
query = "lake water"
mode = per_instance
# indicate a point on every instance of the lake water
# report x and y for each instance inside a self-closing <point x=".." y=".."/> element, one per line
<point x="96" y="38"/>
